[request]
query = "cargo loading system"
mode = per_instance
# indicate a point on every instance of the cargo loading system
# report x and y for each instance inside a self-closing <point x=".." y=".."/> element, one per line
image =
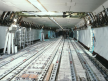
<point x="56" y="59"/>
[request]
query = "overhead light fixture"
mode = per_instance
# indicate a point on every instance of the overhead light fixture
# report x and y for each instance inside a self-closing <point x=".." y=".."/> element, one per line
<point x="43" y="13"/>
<point x="55" y="22"/>
<point x="41" y="8"/>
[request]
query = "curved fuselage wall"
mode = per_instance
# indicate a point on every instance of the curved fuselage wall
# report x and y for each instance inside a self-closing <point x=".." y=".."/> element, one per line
<point x="101" y="37"/>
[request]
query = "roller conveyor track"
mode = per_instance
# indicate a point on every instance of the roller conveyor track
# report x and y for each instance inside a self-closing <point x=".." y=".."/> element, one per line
<point x="79" y="71"/>
<point x="82" y="68"/>
<point x="70" y="67"/>
<point x="64" y="72"/>
<point x="54" y="60"/>
<point x="19" y="61"/>
<point x="92" y="72"/>
<point x="22" y="52"/>
<point x="11" y="68"/>
<point x="97" y="67"/>
<point x="46" y="73"/>
<point x="73" y="73"/>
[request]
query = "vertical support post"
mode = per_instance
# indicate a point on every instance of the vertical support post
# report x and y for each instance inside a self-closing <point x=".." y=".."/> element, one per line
<point x="6" y="42"/>
<point x="9" y="44"/>
<point x="49" y="34"/>
<point x="42" y="35"/>
<point x="13" y="47"/>
<point x="77" y="35"/>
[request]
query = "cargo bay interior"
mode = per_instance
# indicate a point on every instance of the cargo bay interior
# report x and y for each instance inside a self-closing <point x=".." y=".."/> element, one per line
<point x="53" y="40"/>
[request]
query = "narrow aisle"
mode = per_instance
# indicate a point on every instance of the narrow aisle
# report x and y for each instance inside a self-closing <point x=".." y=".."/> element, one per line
<point x="92" y="73"/>
<point x="79" y="70"/>
<point x="64" y="73"/>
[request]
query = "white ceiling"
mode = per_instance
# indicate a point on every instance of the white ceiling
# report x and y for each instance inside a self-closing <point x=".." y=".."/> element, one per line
<point x="67" y="22"/>
<point x="16" y="5"/>
<point x="52" y="5"/>
<point x="41" y="21"/>
<point x="79" y="6"/>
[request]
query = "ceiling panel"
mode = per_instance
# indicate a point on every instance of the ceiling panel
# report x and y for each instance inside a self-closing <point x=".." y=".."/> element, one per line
<point x="15" y="1"/>
<point x="89" y="1"/>
<point x="54" y="1"/>
<point x="78" y="6"/>
<point x="56" y="7"/>
<point x="67" y="22"/>
<point x="86" y="5"/>
<point x="83" y="8"/>
<point x="26" y="7"/>
<point x="6" y="7"/>
<point x="41" y="21"/>
<point x="16" y="5"/>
